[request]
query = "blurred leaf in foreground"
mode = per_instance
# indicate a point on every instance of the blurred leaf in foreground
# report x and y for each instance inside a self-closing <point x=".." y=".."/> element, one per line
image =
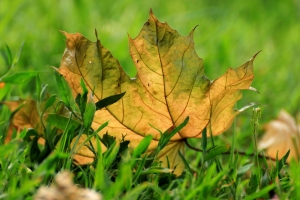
<point x="63" y="188"/>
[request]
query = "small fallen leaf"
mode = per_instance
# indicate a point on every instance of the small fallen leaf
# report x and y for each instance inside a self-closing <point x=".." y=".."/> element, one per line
<point x="18" y="78"/>
<point x="281" y="134"/>
<point x="169" y="87"/>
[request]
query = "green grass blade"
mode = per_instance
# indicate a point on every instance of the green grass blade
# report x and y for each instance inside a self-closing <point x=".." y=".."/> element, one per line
<point x="38" y="88"/>
<point x="187" y="166"/>
<point x="109" y="100"/>
<point x="204" y="141"/>
<point x="168" y="134"/>
<point x="216" y="151"/>
<point x="61" y="121"/>
<point x="110" y="155"/>
<point x="17" y="56"/>
<point x="89" y="114"/>
<point x="141" y="148"/>
<point x="64" y="90"/>
<point x="50" y="102"/>
<point x="244" y="169"/>
<point x="19" y="77"/>
<point x="99" y="183"/>
<point x="7" y="56"/>
<point x="283" y="160"/>
<point x="263" y="193"/>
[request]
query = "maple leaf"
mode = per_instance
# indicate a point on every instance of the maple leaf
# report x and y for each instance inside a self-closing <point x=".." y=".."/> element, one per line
<point x="281" y="135"/>
<point x="170" y="85"/>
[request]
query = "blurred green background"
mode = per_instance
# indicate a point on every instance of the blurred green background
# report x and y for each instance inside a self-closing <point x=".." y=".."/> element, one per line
<point x="228" y="34"/>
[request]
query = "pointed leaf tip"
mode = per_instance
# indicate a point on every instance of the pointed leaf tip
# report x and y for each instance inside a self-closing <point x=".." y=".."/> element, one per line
<point x="254" y="56"/>
<point x="195" y="28"/>
<point x="191" y="34"/>
<point x="63" y="32"/>
<point x="54" y="68"/>
<point x="151" y="11"/>
<point x="152" y="16"/>
<point x="96" y="33"/>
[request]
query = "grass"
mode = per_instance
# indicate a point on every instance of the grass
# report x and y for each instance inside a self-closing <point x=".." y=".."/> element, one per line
<point x="228" y="34"/>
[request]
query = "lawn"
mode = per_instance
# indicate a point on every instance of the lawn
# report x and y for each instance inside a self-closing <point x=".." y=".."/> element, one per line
<point x="228" y="34"/>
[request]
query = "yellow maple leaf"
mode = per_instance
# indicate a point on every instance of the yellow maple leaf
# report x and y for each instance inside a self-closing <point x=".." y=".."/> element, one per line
<point x="169" y="86"/>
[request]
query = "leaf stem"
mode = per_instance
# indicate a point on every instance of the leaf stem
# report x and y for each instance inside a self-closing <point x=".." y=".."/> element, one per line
<point x="228" y="152"/>
<point x="232" y="157"/>
<point x="256" y="113"/>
